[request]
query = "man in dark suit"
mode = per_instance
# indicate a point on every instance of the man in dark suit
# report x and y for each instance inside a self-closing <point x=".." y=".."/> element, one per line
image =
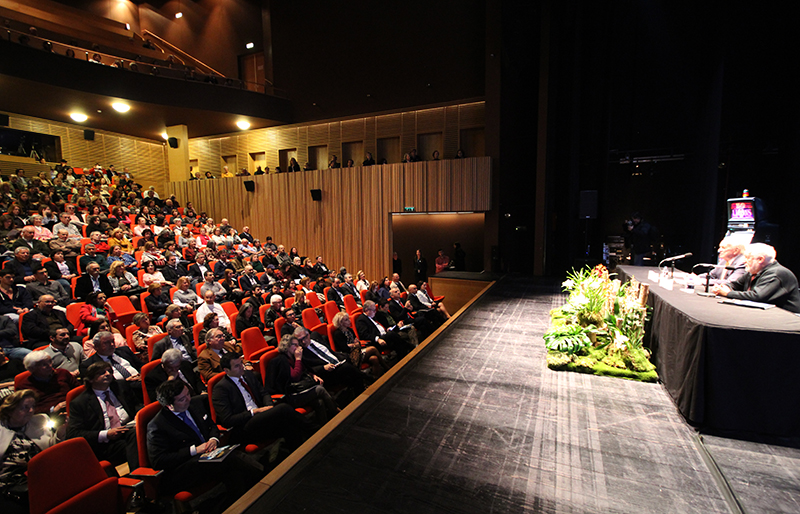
<point x="433" y="311"/>
<point x="176" y="338"/>
<point x="197" y="271"/>
<point x="242" y="404"/>
<point x="350" y="288"/>
<point x="124" y="363"/>
<point x="208" y="362"/>
<point x="332" y="367"/>
<point x="173" y="366"/>
<point x="92" y="280"/>
<point x="180" y="433"/>
<point x="173" y="270"/>
<point x="37" y="323"/>
<point x="248" y="281"/>
<point x="320" y="269"/>
<point x="369" y="329"/>
<point x="38" y="249"/>
<point x="335" y="294"/>
<point x="21" y="265"/>
<point x="221" y="265"/>
<point x="100" y="415"/>
<point x="401" y="312"/>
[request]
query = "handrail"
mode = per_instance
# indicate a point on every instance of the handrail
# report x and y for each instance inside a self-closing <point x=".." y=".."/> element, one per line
<point x="178" y="52"/>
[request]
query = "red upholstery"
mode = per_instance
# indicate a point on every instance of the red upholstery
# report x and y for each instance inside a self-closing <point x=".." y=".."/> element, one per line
<point x="229" y="308"/>
<point x="129" y="330"/>
<point x="196" y="328"/>
<point x="74" y="313"/>
<point x="350" y="305"/>
<point x="279" y="323"/>
<point x="330" y="309"/>
<point x="313" y="299"/>
<point x="253" y="344"/>
<point x="263" y="362"/>
<point x="72" y="394"/>
<point x="123" y="309"/>
<point x="91" y="490"/>
<point x="145" y="370"/>
<point x="312" y="323"/>
<point x="151" y="342"/>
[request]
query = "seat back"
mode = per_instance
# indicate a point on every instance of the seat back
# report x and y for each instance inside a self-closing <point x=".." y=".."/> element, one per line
<point x="364" y="296"/>
<point x="210" y="388"/>
<point x="330" y="328"/>
<point x="279" y="323"/>
<point x="196" y="329"/>
<point x="72" y="394"/>
<point x="353" y="323"/>
<point x="172" y="293"/>
<point x="310" y="318"/>
<point x="129" y="330"/>
<point x="263" y="362"/>
<point x="262" y="311"/>
<point x="313" y="299"/>
<point x="72" y="492"/>
<point x="151" y="342"/>
<point x="147" y="368"/>
<point x="330" y="309"/>
<point x="20" y="378"/>
<point x="229" y="308"/>
<point x="74" y="313"/>
<point x="232" y="319"/>
<point x="142" y="299"/>
<point x="350" y="304"/>
<point x="143" y="417"/>
<point x="252" y="341"/>
<point x="288" y="303"/>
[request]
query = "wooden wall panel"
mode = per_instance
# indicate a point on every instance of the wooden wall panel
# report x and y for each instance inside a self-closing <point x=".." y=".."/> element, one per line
<point x="351" y="225"/>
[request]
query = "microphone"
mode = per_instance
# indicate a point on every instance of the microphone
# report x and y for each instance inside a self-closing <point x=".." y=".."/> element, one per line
<point x="676" y="258"/>
<point x="704" y="265"/>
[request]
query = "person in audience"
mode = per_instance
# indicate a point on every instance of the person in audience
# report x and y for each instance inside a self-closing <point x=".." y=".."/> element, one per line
<point x="14" y="300"/>
<point x="181" y="433"/>
<point x="368" y="160"/>
<point x="92" y="256"/>
<point x="102" y="325"/>
<point x="275" y="312"/>
<point x="117" y="255"/>
<point x="211" y="307"/>
<point x="442" y="262"/>
<point x="143" y="332"/>
<point x="330" y="366"/>
<point x="38" y="249"/>
<point x="173" y="367"/>
<point x="210" y="284"/>
<point x="126" y="366"/>
<point x="173" y="270"/>
<point x="230" y="285"/>
<point x="248" y="280"/>
<point x="124" y="283"/>
<point x="118" y="238"/>
<point x="100" y="415"/>
<point x="248" y="318"/>
<point x="420" y="301"/>
<point x="243" y="406"/>
<point x="66" y="223"/>
<point x="9" y="341"/>
<point x="286" y="375"/>
<point x="64" y="353"/>
<point x="152" y="253"/>
<point x="21" y="265"/>
<point x="141" y="226"/>
<point x="177" y="339"/>
<point x="335" y="293"/>
<point x="96" y="307"/>
<point x="17" y="215"/>
<point x="334" y="162"/>
<point x="51" y="384"/>
<point x="407" y="333"/>
<point x="766" y="281"/>
<point x="349" y="287"/>
<point x="92" y="281"/>
<point x="42" y="285"/>
<point x="23" y="434"/>
<point x="369" y="329"/>
<point x="345" y="341"/>
<point x="397" y="283"/>
<point x="197" y="270"/>
<point x="152" y="276"/>
<point x="157" y="301"/>
<point x="61" y="270"/>
<point x="211" y="320"/>
<point x="37" y="324"/>
<point x="293" y="165"/>
<point x="185" y="296"/>
<point x="208" y="362"/>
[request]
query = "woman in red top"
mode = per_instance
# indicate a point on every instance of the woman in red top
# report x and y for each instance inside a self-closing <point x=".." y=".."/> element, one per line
<point x="96" y="307"/>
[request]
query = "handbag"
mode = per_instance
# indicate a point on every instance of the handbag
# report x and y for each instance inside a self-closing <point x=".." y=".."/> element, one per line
<point x="305" y="383"/>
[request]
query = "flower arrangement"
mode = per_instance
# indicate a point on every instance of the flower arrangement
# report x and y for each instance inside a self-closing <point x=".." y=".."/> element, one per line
<point x="601" y="327"/>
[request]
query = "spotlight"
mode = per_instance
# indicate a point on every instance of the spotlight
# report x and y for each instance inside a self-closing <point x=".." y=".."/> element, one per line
<point x="78" y="116"/>
<point x="154" y="72"/>
<point x="47" y="46"/>
<point x="164" y="135"/>
<point x="249" y="46"/>
<point x="121" y="107"/>
<point x="70" y="52"/>
<point x="134" y="67"/>
<point x="178" y="15"/>
<point x="243" y="124"/>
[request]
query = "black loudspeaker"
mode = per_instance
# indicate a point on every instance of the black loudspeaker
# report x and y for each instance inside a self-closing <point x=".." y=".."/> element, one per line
<point x="249" y="185"/>
<point x="4" y="120"/>
<point x="588" y="205"/>
<point x="88" y="135"/>
<point x="316" y="195"/>
<point x="173" y="142"/>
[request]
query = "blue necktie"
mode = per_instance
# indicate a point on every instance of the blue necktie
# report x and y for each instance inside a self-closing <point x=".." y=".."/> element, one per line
<point x="191" y="424"/>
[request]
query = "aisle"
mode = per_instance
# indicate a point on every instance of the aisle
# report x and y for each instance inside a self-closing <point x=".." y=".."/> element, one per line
<point x="480" y="425"/>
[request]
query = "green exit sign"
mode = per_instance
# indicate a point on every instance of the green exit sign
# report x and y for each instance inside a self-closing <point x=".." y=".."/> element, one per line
<point x="409" y="209"/>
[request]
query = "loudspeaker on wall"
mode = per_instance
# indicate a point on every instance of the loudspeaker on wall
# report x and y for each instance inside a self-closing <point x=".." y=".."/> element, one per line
<point x="173" y="142"/>
<point x="249" y="185"/>
<point x="587" y="208"/>
<point x="316" y="195"/>
<point x="88" y="135"/>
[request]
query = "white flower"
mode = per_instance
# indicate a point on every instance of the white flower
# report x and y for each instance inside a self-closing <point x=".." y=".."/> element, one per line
<point x="568" y="284"/>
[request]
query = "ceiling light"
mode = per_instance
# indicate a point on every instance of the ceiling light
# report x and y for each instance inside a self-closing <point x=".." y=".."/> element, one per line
<point x="249" y="46"/>
<point x="121" y="107"/>
<point x="78" y="116"/>
<point x="243" y="125"/>
<point x="179" y="15"/>
<point x="127" y="26"/>
<point x="164" y="135"/>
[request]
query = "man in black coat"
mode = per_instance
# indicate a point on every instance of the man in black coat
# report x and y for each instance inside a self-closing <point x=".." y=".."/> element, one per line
<point x="173" y="270"/>
<point x="766" y="281"/>
<point x="172" y="365"/>
<point x="332" y="367"/>
<point x="369" y="329"/>
<point x="176" y="338"/>
<point x="92" y="280"/>
<point x="125" y="365"/>
<point x="36" y="323"/>
<point x="181" y="433"/>
<point x="100" y="415"/>
<point x="335" y="294"/>
<point x="243" y="405"/>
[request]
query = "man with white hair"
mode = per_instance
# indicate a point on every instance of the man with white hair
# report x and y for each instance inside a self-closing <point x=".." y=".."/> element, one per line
<point x="176" y="339"/>
<point x="731" y="263"/>
<point x="52" y="384"/>
<point x="274" y="312"/>
<point x="210" y="306"/>
<point x="766" y="281"/>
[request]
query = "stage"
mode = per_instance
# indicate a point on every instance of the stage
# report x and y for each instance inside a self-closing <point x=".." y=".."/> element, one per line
<point x="476" y="423"/>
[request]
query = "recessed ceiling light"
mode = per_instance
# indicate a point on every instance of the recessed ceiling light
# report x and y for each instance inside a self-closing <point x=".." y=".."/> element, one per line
<point x="78" y="116"/>
<point x="179" y="15"/>
<point x="127" y="26"/>
<point x="164" y="135"/>
<point x="121" y="107"/>
<point x="249" y="45"/>
<point x="243" y="125"/>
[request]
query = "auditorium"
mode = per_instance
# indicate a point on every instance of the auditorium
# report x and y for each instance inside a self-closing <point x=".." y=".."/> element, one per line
<point x="273" y="256"/>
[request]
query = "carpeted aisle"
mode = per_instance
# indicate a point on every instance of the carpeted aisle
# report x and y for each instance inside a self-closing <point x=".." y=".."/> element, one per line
<point x="480" y="425"/>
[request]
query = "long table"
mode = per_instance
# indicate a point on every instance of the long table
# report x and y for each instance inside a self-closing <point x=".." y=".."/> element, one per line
<point x="727" y="367"/>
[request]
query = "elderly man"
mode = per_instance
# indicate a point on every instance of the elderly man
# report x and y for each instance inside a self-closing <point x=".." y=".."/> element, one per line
<point x="244" y="406"/>
<point x="42" y="285"/>
<point x="198" y="270"/>
<point x="248" y="281"/>
<point x="369" y="329"/>
<point x="173" y="367"/>
<point x="21" y="265"/>
<point x="180" y="433"/>
<point x="51" y="384"/>
<point x="174" y="269"/>
<point x="210" y="306"/>
<point x="269" y="258"/>
<point x="64" y="353"/>
<point x="766" y="281"/>
<point x="27" y="239"/>
<point x="66" y="224"/>
<point x="397" y="283"/>
<point x="92" y="256"/>
<point x="208" y="362"/>
<point x="274" y="312"/>
<point x="730" y="265"/>
<point x="126" y="366"/>
<point x="420" y="301"/>
<point x="40" y="321"/>
<point x="330" y="366"/>
<point x="177" y="339"/>
<point x="92" y="281"/>
<point x="63" y="242"/>
<point x="100" y="415"/>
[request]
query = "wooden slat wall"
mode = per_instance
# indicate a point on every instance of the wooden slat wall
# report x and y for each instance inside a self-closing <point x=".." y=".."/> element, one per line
<point x="147" y="160"/>
<point x="351" y="225"/>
